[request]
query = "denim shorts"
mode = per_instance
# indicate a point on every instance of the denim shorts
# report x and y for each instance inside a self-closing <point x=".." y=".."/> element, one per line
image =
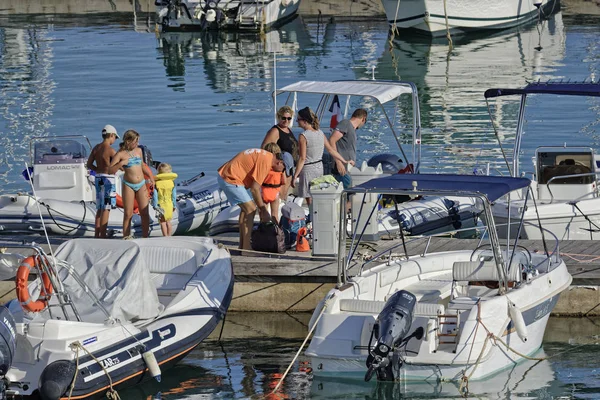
<point x="236" y="194"/>
<point x="346" y="180"/>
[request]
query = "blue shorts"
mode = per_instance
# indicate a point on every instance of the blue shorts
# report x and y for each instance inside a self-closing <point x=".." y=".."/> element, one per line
<point x="236" y="194"/>
<point x="346" y="180"/>
<point x="106" y="192"/>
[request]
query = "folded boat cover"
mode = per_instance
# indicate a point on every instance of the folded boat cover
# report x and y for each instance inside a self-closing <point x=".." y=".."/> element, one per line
<point x="116" y="272"/>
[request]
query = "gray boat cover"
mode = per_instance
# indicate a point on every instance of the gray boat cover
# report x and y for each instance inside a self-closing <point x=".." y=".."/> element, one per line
<point x="116" y="272"/>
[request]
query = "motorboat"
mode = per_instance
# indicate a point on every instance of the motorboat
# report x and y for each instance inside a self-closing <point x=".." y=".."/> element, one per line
<point x="565" y="198"/>
<point x="449" y="316"/>
<point x="383" y="99"/>
<point x="63" y="191"/>
<point x="104" y="314"/>
<point x="437" y="18"/>
<point x="200" y="15"/>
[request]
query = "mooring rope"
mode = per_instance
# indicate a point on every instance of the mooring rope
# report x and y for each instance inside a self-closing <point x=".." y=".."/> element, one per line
<point x="111" y="393"/>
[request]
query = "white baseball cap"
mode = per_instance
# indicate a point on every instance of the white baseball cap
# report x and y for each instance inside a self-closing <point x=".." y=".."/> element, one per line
<point x="110" y="129"/>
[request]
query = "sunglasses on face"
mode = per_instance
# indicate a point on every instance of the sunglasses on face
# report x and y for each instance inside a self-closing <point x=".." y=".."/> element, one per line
<point x="286" y="118"/>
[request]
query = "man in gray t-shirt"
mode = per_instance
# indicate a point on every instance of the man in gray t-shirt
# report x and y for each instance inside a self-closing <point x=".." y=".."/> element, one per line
<point x="343" y="139"/>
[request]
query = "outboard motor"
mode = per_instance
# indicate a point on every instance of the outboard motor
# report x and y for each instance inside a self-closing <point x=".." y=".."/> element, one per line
<point x="390" y="329"/>
<point x="8" y="346"/>
<point x="212" y="15"/>
<point x="390" y="163"/>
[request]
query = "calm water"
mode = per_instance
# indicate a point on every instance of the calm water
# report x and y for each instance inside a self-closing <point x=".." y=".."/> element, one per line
<point x="257" y="348"/>
<point x="199" y="99"/>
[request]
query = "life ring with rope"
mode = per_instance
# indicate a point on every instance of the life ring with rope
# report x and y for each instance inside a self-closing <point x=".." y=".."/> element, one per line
<point x="149" y="187"/>
<point x="22" y="282"/>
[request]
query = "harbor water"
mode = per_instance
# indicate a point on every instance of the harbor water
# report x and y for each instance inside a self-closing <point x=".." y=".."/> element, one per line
<point x="199" y="98"/>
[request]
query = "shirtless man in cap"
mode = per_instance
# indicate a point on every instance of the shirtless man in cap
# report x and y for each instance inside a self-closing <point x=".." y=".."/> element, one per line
<point x="106" y="194"/>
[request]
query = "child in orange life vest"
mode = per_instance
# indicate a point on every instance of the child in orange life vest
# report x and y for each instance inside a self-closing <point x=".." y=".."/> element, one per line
<point x="164" y="199"/>
<point x="270" y="191"/>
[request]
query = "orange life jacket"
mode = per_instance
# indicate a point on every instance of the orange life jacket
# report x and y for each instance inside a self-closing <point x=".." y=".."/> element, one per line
<point x="271" y="185"/>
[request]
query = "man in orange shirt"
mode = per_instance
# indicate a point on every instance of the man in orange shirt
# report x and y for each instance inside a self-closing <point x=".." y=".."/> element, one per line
<point x="241" y="179"/>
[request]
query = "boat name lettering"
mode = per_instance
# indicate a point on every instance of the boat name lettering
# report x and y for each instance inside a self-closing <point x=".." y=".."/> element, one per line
<point x="90" y="340"/>
<point x="203" y="195"/>
<point x="164" y="333"/>
<point x="9" y="327"/>
<point x="543" y="310"/>
<point x="55" y="167"/>
<point x="110" y="362"/>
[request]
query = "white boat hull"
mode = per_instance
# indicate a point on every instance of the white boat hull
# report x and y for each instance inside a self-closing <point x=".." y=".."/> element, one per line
<point x="198" y="204"/>
<point x="342" y="335"/>
<point x="428" y="16"/>
<point x="239" y="14"/>
<point x="190" y="314"/>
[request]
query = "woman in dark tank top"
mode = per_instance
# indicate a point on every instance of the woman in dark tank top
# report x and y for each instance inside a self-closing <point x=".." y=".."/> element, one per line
<point x="285" y="139"/>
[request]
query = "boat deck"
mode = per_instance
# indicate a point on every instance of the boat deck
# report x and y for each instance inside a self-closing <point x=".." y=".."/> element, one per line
<point x="297" y="281"/>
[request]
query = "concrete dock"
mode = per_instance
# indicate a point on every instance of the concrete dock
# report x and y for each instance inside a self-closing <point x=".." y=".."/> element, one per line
<point x="296" y="282"/>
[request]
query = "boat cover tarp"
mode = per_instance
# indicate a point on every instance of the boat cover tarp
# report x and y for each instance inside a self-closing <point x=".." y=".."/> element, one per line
<point x="380" y="90"/>
<point x="117" y="274"/>
<point x="493" y="187"/>
<point x="559" y="88"/>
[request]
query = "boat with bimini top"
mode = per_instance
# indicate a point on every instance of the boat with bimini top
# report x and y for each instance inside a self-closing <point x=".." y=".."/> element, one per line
<point x="63" y="191"/>
<point x="104" y="314"/>
<point x="385" y="102"/>
<point x="565" y="198"/>
<point x="451" y="316"/>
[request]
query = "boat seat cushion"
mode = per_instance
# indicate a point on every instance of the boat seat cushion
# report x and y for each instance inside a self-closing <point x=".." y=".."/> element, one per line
<point x="430" y="290"/>
<point x="170" y="267"/>
<point x="375" y="307"/>
<point x="483" y="271"/>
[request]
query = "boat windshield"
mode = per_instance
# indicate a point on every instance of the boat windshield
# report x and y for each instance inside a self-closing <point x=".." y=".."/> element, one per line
<point x="57" y="151"/>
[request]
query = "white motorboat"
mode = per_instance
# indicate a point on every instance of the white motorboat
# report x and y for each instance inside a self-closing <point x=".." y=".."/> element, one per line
<point x="111" y="314"/>
<point x="565" y="197"/>
<point x="448" y="316"/>
<point x="65" y="193"/>
<point x="257" y="15"/>
<point x="436" y="18"/>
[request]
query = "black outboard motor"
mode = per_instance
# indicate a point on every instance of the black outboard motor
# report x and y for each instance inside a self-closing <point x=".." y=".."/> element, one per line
<point x="8" y="346"/>
<point x="212" y="15"/>
<point x="390" y="163"/>
<point x="390" y="329"/>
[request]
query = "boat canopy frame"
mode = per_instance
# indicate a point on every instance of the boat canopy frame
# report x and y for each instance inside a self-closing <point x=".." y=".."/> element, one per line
<point x="381" y="91"/>
<point x="550" y="87"/>
<point x="483" y="187"/>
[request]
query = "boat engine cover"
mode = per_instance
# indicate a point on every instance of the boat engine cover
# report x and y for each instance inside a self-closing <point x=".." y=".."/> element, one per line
<point x="8" y="340"/>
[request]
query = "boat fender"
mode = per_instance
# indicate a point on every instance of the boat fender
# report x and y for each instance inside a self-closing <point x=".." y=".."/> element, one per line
<point x="22" y="282"/>
<point x="518" y="321"/>
<point x="286" y="3"/>
<point x="55" y="379"/>
<point x="152" y="364"/>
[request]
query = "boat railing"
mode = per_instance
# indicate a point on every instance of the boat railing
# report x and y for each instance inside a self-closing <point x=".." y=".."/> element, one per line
<point x="594" y="174"/>
<point x="49" y="266"/>
<point x="551" y="261"/>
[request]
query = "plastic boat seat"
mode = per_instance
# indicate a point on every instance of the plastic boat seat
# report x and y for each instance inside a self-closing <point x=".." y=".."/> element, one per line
<point x="375" y="307"/>
<point x="430" y="290"/>
<point x="463" y="303"/>
<point x="170" y="267"/>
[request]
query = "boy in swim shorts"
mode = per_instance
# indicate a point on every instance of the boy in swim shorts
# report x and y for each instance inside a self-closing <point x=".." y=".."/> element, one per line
<point x="106" y="194"/>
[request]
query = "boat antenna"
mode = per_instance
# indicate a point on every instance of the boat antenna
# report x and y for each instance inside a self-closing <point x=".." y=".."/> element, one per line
<point x="30" y="179"/>
<point x="275" y="86"/>
<point x="487" y="103"/>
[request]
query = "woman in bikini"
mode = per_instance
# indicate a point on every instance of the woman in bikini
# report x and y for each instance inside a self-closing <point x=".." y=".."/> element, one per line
<point x="129" y="158"/>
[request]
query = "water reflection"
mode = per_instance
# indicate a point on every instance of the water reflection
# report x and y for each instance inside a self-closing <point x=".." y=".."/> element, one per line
<point x="232" y="61"/>
<point x="451" y="82"/>
<point x="26" y="89"/>
<point x="256" y="349"/>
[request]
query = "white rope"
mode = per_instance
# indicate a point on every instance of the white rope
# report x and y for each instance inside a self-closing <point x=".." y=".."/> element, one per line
<point x="303" y="343"/>
<point x="111" y="393"/>
<point x="448" y="36"/>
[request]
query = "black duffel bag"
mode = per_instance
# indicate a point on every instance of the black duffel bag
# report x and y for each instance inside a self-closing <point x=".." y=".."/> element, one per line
<point x="268" y="237"/>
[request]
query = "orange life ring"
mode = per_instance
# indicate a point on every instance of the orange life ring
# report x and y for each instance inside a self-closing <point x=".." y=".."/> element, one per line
<point x="149" y="187"/>
<point x="22" y="281"/>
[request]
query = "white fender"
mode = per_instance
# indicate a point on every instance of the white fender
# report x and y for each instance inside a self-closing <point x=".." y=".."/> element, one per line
<point x="152" y="364"/>
<point x="518" y="321"/>
<point x="286" y="3"/>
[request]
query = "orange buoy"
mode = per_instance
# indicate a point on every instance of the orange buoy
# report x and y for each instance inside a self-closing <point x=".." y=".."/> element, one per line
<point x="22" y="282"/>
<point x="301" y="240"/>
